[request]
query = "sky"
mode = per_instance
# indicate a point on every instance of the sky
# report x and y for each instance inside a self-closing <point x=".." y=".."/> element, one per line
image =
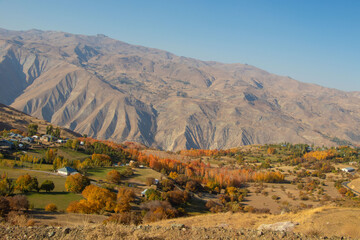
<point x="310" y="41"/>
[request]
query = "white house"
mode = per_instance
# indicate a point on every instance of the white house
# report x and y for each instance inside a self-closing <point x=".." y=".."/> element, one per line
<point x="348" y="169"/>
<point x="66" y="171"/>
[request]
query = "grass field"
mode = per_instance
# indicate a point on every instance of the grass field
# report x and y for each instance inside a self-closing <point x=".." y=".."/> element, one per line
<point x="60" y="199"/>
<point x="100" y="173"/>
<point x="142" y="173"/>
<point x="39" y="200"/>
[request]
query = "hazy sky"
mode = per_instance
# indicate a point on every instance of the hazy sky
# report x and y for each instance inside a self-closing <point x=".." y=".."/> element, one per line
<point x="311" y="41"/>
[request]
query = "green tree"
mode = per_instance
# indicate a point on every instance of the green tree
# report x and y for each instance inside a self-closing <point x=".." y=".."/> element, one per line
<point x="32" y="129"/>
<point x="49" y="130"/>
<point x="57" y="132"/>
<point x="47" y="186"/>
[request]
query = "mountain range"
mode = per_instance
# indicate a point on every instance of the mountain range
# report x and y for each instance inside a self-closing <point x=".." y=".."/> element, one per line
<point x="113" y="90"/>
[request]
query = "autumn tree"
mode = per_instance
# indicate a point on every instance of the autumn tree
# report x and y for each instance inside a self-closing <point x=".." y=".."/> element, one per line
<point x="76" y="183"/>
<point x="47" y="186"/>
<point x="26" y="183"/>
<point x="96" y="200"/>
<point x="150" y="181"/>
<point x="113" y="176"/>
<point x="6" y="186"/>
<point x="124" y="197"/>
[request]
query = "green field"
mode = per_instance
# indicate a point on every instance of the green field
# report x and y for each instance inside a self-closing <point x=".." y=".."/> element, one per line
<point x="100" y="173"/>
<point x="39" y="200"/>
<point x="60" y="199"/>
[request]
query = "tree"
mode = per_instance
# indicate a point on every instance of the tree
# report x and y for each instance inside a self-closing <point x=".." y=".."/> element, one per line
<point x="47" y="186"/>
<point x="76" y="183"/>
<point x="32" y="129"/>
<point x="150" y="181"/>
<point x="6" y="186"/>
<point x="49" y="130"/>
<point x="113" y="176"/>
<point x="96" y="200"/>
<point x="57" y="132"/>
<point x="124" y="197"/>
<point x="26" y="183"/>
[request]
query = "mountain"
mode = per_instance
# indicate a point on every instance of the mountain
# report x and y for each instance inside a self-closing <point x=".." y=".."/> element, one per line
<point x="11" y="118"/>
<point x="109" y="89"/>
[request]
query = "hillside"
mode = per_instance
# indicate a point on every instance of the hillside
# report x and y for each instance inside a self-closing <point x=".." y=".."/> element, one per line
<point x="109" y="89"/>
<point x="11" y="118"/>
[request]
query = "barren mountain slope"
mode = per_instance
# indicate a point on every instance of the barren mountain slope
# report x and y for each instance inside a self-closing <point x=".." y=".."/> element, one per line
<point x="113" y="90"/>
<point x="11" y="118"/>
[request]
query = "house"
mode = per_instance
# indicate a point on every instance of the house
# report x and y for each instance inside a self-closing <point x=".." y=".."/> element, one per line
<point x="15" y="135"/>
<point x="143" y="193"/>
<point x="4" y="144"/>
<point x="27" y="139"/>
<point x="35" y="137"/>
<point x="348" y="169"/>
<point x="61" y="141"/>
<point x="47" y="138"/>
<point x="66" y="171"/>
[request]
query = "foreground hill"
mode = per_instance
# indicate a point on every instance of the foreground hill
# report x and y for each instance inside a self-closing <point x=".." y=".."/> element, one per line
<point x="109" y="89"/>
<point x="11" y="118"/>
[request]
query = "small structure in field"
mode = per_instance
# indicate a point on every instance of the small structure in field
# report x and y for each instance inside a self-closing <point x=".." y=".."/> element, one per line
<point x="143" y="193"/>
<point x="61" y="141"/>
<point x="47" y="138"/>
<point x="27" y="139"/>
<point x="348" y="169"/>
<point x="66" y="171"/>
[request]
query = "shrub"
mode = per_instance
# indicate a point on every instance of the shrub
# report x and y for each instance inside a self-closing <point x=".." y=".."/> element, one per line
<point x="17" y="218"/>
<point x="158" y="210"/>
<point x="113" y="176"/>
<point x="177" y="197"/>
<point x="4" y="206"/>
<point x="47" y="186"/>
<point x="76" y="183"/>
<point x="18" y="202"/>
<point x="125" y="218"/>
<point x="51" y="207"/>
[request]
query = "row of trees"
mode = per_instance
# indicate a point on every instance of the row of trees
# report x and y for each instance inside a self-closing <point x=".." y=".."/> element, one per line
<point x="24" y="183"/>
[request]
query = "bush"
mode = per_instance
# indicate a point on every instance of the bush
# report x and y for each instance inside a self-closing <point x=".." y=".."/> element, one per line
<point x="4" y="206"/>
<point x="16" y="218"/>
<point x="76" y="183"/>
<point x="51" y="207"/>
<point x="126" y="218"/>
<point x="18" y="202"/>
<point x="47" y="186"/>
<point x="158" y="210"/>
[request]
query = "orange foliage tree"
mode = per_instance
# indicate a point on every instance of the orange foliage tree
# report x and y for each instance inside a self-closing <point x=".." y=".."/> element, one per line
<point x="76" y="183"/>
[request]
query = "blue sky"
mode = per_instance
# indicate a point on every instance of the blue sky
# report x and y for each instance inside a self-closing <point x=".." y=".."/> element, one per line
<point x="311" y="41"/>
